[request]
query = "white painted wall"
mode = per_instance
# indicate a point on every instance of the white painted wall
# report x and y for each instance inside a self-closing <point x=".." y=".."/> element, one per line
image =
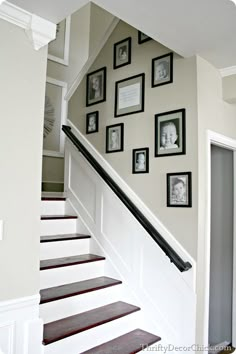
<point x="216" y="115"/>
<point x="22" y="85"/>
<point x="139" y="129"/>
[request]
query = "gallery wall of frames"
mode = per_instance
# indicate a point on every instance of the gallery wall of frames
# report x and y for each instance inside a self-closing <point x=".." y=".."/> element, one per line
<point x="137" y="106"/>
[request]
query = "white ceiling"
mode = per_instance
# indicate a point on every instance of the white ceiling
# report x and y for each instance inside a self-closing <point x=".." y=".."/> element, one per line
<point x="188" y="27"/>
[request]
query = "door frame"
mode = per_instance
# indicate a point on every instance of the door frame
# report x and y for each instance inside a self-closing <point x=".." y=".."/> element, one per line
<point x="225" y="142"/>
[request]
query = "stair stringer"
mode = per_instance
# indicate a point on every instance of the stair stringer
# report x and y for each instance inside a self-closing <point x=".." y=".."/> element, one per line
<point x="150" y="281"/>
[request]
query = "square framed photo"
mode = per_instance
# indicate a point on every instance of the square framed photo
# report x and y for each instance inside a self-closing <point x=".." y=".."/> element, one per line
<point x="115" y="138"/>
<point x="129" y="95"/>
<point x="170" y="133"/>
<point x="142" y="37"/>
<point x="122" y="53"/>
<point x="96" y="87"/>
<point x="140" y="160"/>
<point x="162" y="70"/>
<point x="92" y="122"/>
<point x="179" y="189"/>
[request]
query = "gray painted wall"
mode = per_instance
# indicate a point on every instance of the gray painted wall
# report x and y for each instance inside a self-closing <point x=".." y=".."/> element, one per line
<point x="220" y="324"/>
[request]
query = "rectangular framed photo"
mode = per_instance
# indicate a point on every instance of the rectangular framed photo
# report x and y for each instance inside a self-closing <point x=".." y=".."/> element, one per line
<point x="55" y="113"/>
<point x="122" y="53"/>
<point x="115" y="138"/>
<point x="162" y="70"/>
<point x="142" y="37"/>
<point x="92" y="122"/>
<point x="96" y="87"/>
<point x="58" y="49"/>
<point x="140" y="160"/>
<point x="170" y="133"/>
<point x="129" y="95"/>
<point x="179" y="189"/>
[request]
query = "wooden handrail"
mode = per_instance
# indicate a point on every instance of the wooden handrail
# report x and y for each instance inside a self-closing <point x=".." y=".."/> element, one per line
<point x="162" y="243"/>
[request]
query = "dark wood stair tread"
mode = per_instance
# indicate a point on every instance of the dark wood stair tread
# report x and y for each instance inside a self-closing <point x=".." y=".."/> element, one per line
<point x="53" y="199"/>
<point x="69" y="326"/>
<point x="129" y="343"/>
<point x="66" y="237"/>
<point x="78" y="288"/>
<point x="58" y="217"/>
<point x="69" y="261"/>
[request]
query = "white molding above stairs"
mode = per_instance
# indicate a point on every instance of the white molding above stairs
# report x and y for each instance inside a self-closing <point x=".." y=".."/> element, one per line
<point x="39" y="31"/>
<point x="91" y="59"/>
<point x="228" y="71"/>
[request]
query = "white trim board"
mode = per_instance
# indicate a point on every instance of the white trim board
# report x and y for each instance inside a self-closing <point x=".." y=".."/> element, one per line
<point x="225" y="142"/>
<point x="91" y="59"/>
<point x="39" y="31"/>
<point x="228" y="71"/>
<point x="190" y="275"/>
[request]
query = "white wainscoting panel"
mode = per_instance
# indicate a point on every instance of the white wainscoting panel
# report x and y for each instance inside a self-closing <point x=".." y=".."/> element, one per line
<point x="166" y="296"/>
<point x="21" y="329"/>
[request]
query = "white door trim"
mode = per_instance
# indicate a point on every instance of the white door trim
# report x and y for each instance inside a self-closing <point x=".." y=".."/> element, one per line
<point x="213" y="138"/>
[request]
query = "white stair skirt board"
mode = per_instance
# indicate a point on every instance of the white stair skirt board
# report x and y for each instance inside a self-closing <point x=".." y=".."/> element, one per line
<point x="58" y="227"/>
<point x="70" y="274"/>
<point x="21" y="329"/>
<point x="60" y="249"/>
<point x="52" y="207"/>
<point x="100" y="334"/>
<point x="56" y="310"/>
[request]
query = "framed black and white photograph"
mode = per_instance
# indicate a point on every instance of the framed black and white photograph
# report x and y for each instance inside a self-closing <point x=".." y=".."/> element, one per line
<point x="129" y="95"/>
<point x="140" y="160"/>
<point x="170" y="133"/>
<point x="92" y="122"/>
<point x="162" y="70"/>
<point x="96" y="87"/>
<point x="58" y="49"/>
<point x="142" y="37"/>
<point x="115" y="138"/>
<point x="179" y="189"/>
<point x="122" y="53"/>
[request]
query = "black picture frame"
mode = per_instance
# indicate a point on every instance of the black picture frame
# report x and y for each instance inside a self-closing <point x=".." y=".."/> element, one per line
<point x="142" y="37"/>
<point x="168" y="124"/>
<point x="140" y="160"/>
<point x="129" y="95"/>
<point x="122" y="53"/>
<point x="179" y="189"/>
<point x="96" y="87"/>
<point x="115" y="138"/>
<point x="92" y="122"/>
<point x="162" y="70"/>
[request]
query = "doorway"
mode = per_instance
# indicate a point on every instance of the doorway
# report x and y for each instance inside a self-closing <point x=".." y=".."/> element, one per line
<point x="221" y="246"/>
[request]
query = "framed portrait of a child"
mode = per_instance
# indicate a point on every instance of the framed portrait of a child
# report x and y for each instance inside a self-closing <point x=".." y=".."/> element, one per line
<point x="179" y="189"/>
<point x="122" y="53"/>
<point x="162" y="70"/>
<point x="92" y="122"/>
<point x="140" y="160"/>
<point x="115" y="138"/>
<point x="96" y="87"/>
<point x="170" y="133"/>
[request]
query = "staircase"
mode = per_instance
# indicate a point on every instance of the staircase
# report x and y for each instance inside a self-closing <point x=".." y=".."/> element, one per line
<point x="83" y="310"/>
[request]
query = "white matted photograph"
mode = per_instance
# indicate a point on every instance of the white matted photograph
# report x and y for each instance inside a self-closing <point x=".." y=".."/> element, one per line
<point x="122" y="53"/>
<point x="162" y="70"/>
<point x="96" y="87"/>
<point x="115" y="138"/>
<point x="179" y="189"/>
<point x="140" y="160"/>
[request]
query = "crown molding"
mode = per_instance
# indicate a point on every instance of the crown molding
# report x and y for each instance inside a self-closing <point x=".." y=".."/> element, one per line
<point x="228" y="71"/>
<point x="39" y="31"/>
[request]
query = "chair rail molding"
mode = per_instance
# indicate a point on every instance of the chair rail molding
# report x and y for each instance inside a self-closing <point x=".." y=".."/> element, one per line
<point x="39" y="31"/>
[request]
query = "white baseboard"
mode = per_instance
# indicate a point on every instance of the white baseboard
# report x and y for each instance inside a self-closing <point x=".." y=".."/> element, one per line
<point x="21" y="329"/>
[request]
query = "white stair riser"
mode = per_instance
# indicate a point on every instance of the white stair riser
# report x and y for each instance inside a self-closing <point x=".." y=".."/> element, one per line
<point x="70" y="274"/>
<point x="58" y="227"/>
<point x="53" y="207"/>
<point x="95" y="336"/>
<point x="63" y="248"/>
<point x="56" y="310"/>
